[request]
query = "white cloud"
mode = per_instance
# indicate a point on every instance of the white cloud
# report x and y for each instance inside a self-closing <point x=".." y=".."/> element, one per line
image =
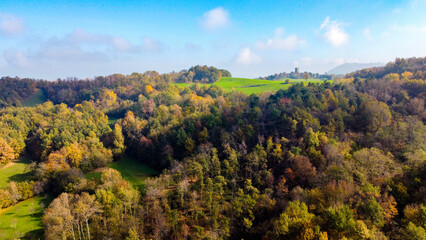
<point x="334" y="33"/>
<point x="215" y="19"/>
<point x="16" y="58"/>
<point x="367" y="34"/>
<point x="121" y="44"/>
<point x="81" y="37"/>
<point x="62" y="49"/>
<point x="246" y="56"/>
<point x="10" y="24"/>
<point x="79" y="47"/>
<point x="152" y="45"/>
<point x="333" y="62"/>
<point x="289" y="43"/>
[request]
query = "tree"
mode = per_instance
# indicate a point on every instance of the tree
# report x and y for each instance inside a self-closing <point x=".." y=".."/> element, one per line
<point x="304" y="171"/>
<point x="148" y="89"/>
<point x="412" y="231"/>
<point x="14" y="192"/>
<point x="58" y="220"/>
<point x="375" y="115"/>
<point x="118" y="143"/>
<point x="372" y="163"/>
<point x="148" y="107"/>
<point x="108" y="98"/>
<point x="74" y="155"/>
<point x="340" y="220"/>
<point x="84" y="208"/>
<point x="7" y="153"/>
<point x="295" y="220"/>
<point x="407" y="75"/>
<point x="306" y="76"/>
<point x="5" y="198"/>
<point x="133" y="235"/>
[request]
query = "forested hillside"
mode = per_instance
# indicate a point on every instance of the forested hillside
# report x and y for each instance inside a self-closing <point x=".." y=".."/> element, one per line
<point x="415" y="66"/>
<point x="15" y="90"/>
<point x="341" y="160"/>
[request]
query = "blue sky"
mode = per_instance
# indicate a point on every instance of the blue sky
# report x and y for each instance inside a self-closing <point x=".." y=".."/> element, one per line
<point x="76" y="38"/>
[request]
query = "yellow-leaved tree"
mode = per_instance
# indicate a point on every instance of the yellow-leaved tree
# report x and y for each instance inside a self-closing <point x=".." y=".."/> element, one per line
<point x="7" y="153"/>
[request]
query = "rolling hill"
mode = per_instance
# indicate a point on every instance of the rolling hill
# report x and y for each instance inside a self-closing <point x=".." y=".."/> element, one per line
<point x="249" y="86"/>
<point x="352" y="67"/>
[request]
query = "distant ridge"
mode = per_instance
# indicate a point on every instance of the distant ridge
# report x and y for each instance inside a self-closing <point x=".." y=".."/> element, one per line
<point x="352" y="67"/>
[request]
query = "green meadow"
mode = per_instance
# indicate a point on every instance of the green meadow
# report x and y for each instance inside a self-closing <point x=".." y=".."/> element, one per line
<point x="38" y="98"/>
<point x="256" y="86"/>
<point x="15" y="171"/>
<point x="131" y="169"/>
<point x="23" y="220"/>
<point x="112" y="121"/>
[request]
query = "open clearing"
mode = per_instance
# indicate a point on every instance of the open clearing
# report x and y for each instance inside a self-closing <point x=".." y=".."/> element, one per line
<point x="112" y="121"/>
<point x="38" y="98"/>
<point x="256" y="86"/>
<point x="23" y="220"/>
<point x="131" y="169"/>
<point x="14" y="171"/>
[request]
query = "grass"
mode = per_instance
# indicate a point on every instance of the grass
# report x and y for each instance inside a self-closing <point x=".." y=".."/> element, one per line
<point x="131" y="169"/>
<point x="23" y="220"/>
<point x="37" y="98"/>
<point x="16" y="221"/>
<point x="256" y="86"/>
<point x="14" y="172"/>
<point x="112" y="121"/>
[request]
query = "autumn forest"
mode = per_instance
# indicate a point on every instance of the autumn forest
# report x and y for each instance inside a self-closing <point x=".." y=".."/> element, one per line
<point x="340" y="159"/>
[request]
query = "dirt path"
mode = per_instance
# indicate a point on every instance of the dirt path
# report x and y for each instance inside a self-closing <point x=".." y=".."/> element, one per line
<point x="101" y="169"/>
<point x="8" y="165"/>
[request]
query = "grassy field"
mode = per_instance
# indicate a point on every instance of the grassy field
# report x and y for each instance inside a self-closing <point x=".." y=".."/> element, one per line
<point x="16" y="221"/>
<point x="256" y="86"/>
<point x="38" y="98"/>
<point x="23" y="220"/>
<point x="112" y="121"/>
<point x="14" y="171"/>
<point x="131" y="169"/>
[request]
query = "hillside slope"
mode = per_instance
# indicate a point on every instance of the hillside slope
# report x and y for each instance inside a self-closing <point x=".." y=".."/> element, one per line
<point x="352" y="67"/>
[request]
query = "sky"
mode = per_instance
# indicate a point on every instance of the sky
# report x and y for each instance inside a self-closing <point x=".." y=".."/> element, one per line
<point x="48" y="39"/>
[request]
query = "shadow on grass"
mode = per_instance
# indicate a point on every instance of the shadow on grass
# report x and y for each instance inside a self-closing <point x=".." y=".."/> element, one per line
<point x="35" y="234"/>
<point x="21" y="177"/>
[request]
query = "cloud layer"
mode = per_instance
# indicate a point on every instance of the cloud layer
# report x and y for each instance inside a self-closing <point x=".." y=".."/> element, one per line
<point x="80" y="47"/>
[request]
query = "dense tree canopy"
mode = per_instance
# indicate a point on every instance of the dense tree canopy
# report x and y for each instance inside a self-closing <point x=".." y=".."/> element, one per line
<point x="341" y="160"/>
